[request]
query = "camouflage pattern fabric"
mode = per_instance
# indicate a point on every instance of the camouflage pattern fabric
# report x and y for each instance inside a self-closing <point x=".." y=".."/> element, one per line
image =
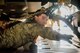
<point x="23" y="33"/>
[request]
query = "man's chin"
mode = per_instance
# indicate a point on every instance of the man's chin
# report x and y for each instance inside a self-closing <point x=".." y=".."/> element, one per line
<point x="47" y="26"/>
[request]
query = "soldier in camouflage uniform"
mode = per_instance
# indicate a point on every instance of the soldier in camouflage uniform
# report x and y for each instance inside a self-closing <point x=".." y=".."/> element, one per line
<point x="18" y="34"/>
<point x="23" y="33"/>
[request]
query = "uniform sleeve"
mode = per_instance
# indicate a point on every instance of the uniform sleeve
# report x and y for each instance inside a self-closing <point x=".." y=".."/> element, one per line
<point x="50" y="34"/>
<point x="45" y="32"/>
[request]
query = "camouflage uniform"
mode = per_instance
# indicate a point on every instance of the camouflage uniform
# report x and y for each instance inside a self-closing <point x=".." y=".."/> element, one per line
<point x="23" y="33"/>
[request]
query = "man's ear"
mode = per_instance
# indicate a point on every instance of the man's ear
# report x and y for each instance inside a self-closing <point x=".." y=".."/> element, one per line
<point x="36" y="17"/>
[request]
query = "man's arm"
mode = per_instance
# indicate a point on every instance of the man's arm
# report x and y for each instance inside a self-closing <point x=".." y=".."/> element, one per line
<point x="45" y="32"/>
<point x="49" y="33"/>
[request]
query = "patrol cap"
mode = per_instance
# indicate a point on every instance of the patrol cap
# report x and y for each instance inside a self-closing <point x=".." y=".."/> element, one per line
<point x="39" y="12"/>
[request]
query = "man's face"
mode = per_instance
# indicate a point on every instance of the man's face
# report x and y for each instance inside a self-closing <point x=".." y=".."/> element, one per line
<point x="41" y="19"/>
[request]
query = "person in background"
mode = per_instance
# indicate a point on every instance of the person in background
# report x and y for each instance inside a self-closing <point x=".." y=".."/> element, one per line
<point x="66" y="9"/>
